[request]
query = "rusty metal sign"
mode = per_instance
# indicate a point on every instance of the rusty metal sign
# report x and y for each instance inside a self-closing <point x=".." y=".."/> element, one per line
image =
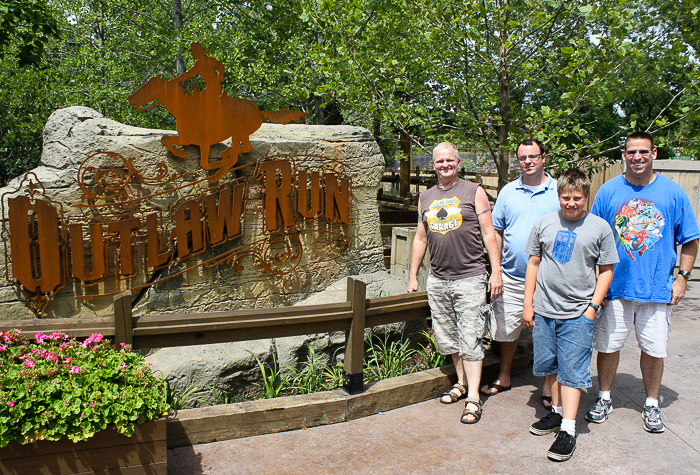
<point x="117" y="237"/>
<point x="207" y="117"/>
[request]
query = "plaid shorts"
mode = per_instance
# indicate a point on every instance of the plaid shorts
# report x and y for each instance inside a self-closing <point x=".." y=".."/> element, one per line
<point x="458" y="309"/>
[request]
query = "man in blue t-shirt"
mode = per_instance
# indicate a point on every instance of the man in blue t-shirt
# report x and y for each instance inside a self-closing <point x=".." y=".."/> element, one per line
<point x="650" y="215"/>
<point x="519" y="205"/>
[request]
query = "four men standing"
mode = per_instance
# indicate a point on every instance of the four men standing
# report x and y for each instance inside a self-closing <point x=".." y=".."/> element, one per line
<point x="649" y="215"/>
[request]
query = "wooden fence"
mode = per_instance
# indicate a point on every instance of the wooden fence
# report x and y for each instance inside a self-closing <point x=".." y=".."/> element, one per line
<point x="161" y="331"/>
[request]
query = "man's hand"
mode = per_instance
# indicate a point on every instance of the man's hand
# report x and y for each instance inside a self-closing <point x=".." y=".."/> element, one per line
<point x="678" y="289"/>
<point x="529" y="316"/>
<point x="495" y="285"/>
<point x="412" y="285"/>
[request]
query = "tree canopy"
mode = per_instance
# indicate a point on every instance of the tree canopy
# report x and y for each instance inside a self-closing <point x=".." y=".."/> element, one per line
<point x="485" y="74"/>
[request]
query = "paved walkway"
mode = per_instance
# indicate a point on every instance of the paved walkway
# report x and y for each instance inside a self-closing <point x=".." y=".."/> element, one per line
<point x="428" y="438"/>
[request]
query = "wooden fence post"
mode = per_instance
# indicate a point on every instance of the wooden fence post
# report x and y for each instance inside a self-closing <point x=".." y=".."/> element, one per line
<point x="123" y="324"/>
<point x="355" y="338"/>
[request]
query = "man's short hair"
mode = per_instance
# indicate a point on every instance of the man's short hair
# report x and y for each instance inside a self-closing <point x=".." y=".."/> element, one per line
<point x="447" y="146"/>
<point x="573" y="179"/>
<point x="640" y="135"/>
<point x="531" y="142"/>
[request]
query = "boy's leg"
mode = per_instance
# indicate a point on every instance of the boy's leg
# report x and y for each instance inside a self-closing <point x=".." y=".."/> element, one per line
<point x="545" y="352"/>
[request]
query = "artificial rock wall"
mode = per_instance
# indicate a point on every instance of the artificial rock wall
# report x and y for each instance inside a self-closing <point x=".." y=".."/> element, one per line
<point x="257" y="267"/>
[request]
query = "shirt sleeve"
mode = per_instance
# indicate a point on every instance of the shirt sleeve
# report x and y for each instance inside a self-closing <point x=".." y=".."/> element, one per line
<point x="532" y="246"/>
<point x="686" y="227"/>
<point x="498" y="216"/>
<point x="608" y="248"/>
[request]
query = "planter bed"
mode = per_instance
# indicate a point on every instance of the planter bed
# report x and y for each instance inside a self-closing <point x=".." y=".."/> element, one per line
<point x="108" y="451"/>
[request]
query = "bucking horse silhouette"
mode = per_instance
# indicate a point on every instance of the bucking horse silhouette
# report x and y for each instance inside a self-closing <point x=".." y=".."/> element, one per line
<point x="204" y="118"/>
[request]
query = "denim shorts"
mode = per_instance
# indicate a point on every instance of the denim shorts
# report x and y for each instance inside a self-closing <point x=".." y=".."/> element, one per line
<point x="564" y="347"/>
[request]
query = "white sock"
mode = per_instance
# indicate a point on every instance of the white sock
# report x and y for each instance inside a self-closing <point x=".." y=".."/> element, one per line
<point x="651" y="402"/>
<point x="604" y="395"/>
<point x="569" y="425"/>
<point x="559" y="410"/>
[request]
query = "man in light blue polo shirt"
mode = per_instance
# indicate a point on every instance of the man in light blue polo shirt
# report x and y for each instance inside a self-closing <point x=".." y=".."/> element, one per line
<point x="520" y="203"/>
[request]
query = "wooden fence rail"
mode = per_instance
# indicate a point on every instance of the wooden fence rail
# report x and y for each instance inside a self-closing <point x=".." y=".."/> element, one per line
<point x="161" y="331"/>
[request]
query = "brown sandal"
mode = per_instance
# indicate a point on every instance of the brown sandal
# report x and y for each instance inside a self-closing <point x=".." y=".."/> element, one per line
<point x="452" y="394"/>
<point x="471" y="412"/>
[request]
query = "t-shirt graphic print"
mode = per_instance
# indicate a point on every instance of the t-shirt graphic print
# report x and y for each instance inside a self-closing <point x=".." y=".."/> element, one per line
<point x="564" y="246"/>
<point x="443" y="215"/>
<point x="638" y="226"/>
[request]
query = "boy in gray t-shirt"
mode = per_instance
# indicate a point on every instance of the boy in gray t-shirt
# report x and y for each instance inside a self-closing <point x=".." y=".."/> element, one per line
<point x="565" y="247"/>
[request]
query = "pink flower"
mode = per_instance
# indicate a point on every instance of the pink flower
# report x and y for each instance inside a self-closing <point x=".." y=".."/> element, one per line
<point x="67" y="360"/>
<point x="92" y="404"/>
<point x="124" y="345"/>
<point x="122" y="366"/>
<point x="95" y="338"/>
<point x="3" y="347"/>
<point x="29" y="363"/>
<point x="74" y="370"/>
<point x="40" y="337"/>
<point x="11" y="404"/>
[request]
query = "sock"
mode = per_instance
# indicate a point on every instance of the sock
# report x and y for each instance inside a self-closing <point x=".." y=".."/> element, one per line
<point x="604" y="395"/>
<point x="559" y="410"/>
<point x="651" y="402"/>
<point x="569" y="425"/>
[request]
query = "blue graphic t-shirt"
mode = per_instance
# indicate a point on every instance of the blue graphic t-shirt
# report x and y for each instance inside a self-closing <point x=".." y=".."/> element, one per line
<point x="648" y="223"/>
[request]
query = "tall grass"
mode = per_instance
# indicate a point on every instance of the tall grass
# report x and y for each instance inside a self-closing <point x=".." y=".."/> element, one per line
<point x="429" y="352"/>
<point x="388" y="359"/>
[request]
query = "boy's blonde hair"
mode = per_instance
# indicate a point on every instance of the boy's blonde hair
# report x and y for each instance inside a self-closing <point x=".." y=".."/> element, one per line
<point x="573" y="179"/>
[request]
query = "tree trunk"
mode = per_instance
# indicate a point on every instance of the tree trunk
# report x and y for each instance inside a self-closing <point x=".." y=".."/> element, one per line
<point x="177" y="22"/>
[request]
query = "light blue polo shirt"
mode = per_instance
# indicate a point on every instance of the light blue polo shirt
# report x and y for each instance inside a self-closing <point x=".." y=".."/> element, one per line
<point x="516" y="210"/>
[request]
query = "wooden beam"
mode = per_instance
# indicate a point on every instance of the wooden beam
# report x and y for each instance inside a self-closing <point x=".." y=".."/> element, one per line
<point x="355" y="338"/>
<point x="123" y="319"/>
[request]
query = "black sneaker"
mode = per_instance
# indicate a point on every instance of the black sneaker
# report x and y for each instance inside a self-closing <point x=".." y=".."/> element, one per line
<point x="563" y="447"/>
<point x="547" y="424"/>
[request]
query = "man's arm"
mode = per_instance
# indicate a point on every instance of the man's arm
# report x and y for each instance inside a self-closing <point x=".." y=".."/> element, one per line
<point x="605" y="276"/>
<point x="689" y="251"/>
<point x="483" y="211"/>
<point x="533" y="265"/>
<point x="420" y="243"/>
<point x="499" y="240"/>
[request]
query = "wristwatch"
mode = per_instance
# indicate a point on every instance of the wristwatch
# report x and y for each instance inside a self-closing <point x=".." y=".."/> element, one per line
<point x="594" y="306"/>
<point x="684" y="273"/>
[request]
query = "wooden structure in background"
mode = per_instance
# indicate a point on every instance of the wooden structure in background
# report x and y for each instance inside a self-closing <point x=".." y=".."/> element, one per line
<point x="163" y="331"/>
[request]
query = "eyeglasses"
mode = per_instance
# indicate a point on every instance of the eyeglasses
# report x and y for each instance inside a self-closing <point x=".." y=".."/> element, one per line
<point x="532" y="158"/>
<point x="643" y="153"/>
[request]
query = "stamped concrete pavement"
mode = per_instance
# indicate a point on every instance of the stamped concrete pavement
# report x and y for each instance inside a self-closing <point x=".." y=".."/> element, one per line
<point x="428" y="437"/>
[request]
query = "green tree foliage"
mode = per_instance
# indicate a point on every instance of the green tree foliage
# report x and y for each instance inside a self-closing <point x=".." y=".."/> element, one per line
<point x="26" y="26"/>
<point x="487" y="73"/>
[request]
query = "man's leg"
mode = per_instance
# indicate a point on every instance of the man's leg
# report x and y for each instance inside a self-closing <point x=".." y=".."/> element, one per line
<point x="461" y="379"/>
<point x="508" y="349"/>
<point x="473" y="372"/>
<point x="607" y="369"/>
<point x="652" y="371"/>
<point x="506" y="325"/>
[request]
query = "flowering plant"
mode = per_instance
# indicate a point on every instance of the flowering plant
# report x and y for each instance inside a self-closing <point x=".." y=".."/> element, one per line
<point x="59" y="386"/>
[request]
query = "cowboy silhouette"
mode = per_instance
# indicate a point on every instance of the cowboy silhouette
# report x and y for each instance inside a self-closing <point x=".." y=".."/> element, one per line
<point x="205" y="118"/>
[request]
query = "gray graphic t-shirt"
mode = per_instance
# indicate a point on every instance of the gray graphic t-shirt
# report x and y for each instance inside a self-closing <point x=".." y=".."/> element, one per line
<point x="570" y="252"/>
